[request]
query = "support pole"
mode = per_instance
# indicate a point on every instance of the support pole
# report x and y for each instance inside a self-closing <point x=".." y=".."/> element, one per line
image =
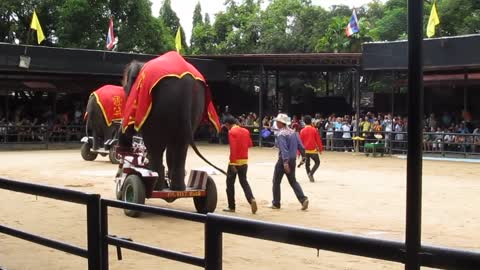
<point x="260" y="102"/>
<point x="356" y="85"/>
<point x="327" y="78"/>
<point x="465" y="92"/>
<point x="394" y="75"/>
<point x="94" y="239"/>
<point x="415" y="134"/>
<point x="276" y="91"/>
<point x="213" y="246"/>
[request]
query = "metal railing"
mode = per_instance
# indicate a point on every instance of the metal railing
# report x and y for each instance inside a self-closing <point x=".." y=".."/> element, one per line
<point x="40" y="134"/>
<point x="430" y="256"/>
<point x="215" y="226"/>
<point x="92" y="201"/>
<point x="396" y="142"/>
<point x="120" y="242"/>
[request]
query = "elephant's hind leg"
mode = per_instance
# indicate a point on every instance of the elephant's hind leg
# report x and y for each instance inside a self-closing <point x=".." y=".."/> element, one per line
<point x="156" y="164"/>
<point x="176" y="156"/>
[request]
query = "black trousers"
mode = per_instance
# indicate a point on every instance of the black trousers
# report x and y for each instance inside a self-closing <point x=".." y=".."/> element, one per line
<point x="242" y="176"/>
<point x="277" y="180"/>
<point x="316" y="159"/>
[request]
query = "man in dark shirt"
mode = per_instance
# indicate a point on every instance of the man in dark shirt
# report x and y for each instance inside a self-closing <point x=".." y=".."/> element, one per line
<point x="288" y="144"/>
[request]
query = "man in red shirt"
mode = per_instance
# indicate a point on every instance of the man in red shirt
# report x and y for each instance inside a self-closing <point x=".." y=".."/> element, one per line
<point x="239" y="140"/>
<point x="313" y="146"/>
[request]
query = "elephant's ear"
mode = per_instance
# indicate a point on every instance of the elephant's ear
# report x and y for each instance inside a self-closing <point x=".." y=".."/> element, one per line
<point x="130" y="75"/>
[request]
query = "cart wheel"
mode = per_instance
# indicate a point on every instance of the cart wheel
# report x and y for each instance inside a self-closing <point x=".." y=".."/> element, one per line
<point x="118" y="190"/>
<point x="113" y="156"/>
<point x="86" y="153"/>
<point x="209" y="202"/>
<point x="170" y="200"/>
<point x="133" y="192"/>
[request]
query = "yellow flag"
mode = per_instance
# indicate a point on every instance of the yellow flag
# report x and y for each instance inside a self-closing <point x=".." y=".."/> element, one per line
<point x="432" y="21"/>
<point x="35" y="25"/>
<point x="178" y="40"/>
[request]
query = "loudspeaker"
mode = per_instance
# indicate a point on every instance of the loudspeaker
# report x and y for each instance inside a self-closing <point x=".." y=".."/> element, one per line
<point x="24" y="61"/>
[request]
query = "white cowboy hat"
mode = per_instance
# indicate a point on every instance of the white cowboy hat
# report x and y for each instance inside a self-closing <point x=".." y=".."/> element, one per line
<point x="283" y="118"/>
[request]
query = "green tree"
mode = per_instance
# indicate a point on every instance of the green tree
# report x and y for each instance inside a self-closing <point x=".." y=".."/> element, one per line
<point x="197" y="33"/>
<point x="171" y="21"/>
<point x="458" y="17"/>
<point x="335" y="38"/>
<point x="84" y="24"/>
<point x="237" y="29"/>
<point x="280" y="26"/>
<point x="138" y="30"/>
<point x="394" y="22"/>
<point x="80" y="25"/>
<point x="204" y="35"/>
<point x="197" y="15"/>
<point x="16" y="16"/>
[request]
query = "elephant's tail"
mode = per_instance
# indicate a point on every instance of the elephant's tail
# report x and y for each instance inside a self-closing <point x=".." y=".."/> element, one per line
<point x="203" y="158"/>
<point x="86" y="125"/>
<point x="88" y="113"/>
<point x="191" y="132"/>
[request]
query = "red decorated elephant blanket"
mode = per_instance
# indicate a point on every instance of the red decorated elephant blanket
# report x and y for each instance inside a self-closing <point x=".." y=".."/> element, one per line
<point x="171" y="64"/>
<point x="111" y="100"/>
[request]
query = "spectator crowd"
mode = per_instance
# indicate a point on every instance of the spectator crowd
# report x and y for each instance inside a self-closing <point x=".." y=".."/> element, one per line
<point x="448" y="132"/>
<point x="47" y="126"/>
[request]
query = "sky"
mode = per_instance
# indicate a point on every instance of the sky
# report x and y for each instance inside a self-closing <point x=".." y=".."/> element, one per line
<point x="184" y="9"/>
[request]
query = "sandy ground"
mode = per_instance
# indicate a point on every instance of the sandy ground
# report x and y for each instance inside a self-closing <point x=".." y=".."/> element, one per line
<point x="352" y="194"/>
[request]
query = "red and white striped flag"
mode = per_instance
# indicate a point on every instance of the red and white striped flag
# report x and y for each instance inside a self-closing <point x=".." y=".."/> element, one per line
<point x="110" y="35"/>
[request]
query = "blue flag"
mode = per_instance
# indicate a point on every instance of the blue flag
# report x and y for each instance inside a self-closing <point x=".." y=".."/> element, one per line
<point x="352" y="26"/>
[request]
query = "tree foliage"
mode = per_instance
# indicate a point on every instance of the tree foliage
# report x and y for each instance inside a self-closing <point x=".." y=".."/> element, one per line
<point x="170" y="19"/>
<point x="245" y="26"/>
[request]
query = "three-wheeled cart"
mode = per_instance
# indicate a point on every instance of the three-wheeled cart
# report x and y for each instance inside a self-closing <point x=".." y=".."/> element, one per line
<point x="108" y="149"/>
<point x="135" y="182"/>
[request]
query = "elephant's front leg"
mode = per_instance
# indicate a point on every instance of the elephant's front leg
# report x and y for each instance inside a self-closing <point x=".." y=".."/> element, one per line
<point x="96" y="140"/>
<point x="156" y="164"/>
<point x="176" y="156"/>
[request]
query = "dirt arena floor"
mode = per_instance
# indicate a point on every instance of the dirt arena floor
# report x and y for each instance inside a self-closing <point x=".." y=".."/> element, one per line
<point x="352" y="194"/>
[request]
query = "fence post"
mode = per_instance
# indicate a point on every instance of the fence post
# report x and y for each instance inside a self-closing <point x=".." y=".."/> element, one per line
<point x="93" y="231"/>
<point x="213" y="245"/>
<point x="103" y="234"/>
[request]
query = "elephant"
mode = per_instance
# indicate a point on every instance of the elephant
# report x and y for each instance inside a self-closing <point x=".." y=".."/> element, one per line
<point x="167" y="98"/>
<point x="104" y="107"/>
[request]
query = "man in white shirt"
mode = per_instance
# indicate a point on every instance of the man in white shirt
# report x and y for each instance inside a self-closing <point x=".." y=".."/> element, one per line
<point x="346" y="136"/>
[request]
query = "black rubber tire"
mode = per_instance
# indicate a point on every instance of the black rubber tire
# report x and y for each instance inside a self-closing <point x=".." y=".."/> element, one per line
<point x="118" y="189"/>
<point x="86" y="153"/>
<point x="133" y="184"/>
<point x="170" y="200"/>
<point x="207" y="204"/>
<point x="112" y="155"/>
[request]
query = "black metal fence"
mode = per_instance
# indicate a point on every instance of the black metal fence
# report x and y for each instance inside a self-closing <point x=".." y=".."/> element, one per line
<point x="120" y="242"/>
<point x="92" y="202"/>
<point x="40" y="134"/>
<point x="435" y="143"/>
<point x="215" y="226"/>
